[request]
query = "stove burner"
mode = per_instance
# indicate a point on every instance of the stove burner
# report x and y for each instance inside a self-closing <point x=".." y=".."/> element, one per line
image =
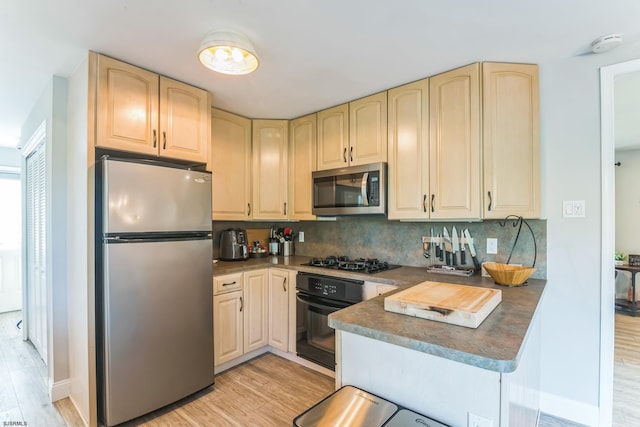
<point x="369" y="266"/>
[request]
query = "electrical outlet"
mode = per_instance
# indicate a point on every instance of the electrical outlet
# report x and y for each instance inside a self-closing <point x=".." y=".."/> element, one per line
<point x="478" y="421"/>
<point x="301" y="236"/>
<point x="492" y="246"/>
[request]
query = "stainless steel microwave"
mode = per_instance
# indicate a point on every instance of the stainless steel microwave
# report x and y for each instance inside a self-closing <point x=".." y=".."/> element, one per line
<point x="354" y="190"/>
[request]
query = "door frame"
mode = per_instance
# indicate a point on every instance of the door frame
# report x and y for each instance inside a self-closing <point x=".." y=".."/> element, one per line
<point x="607" y="227"/>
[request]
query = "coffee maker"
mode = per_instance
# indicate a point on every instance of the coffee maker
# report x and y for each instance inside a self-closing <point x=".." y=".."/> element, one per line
<point x="233" y="245"/>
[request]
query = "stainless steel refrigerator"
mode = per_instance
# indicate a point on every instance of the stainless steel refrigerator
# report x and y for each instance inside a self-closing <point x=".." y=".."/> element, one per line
<point x="154" y="304"/>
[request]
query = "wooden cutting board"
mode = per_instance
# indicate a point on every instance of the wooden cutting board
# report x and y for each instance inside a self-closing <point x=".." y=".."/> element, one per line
<point x="445" y="302"/>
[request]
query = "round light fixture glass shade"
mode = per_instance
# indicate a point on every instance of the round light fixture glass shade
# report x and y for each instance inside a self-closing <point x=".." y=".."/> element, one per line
<point x="228" y="52"/>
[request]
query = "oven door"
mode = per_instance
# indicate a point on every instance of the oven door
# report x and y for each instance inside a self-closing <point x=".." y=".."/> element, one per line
<point x="316" y="340"/>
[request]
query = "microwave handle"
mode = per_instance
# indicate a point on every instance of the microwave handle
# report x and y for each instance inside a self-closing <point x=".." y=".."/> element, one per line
<point x="363" y="189"/>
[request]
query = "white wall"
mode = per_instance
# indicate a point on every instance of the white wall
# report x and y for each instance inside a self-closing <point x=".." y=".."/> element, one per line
<point x="80" y="246"/>
<point x="10" y="157"/>
<point x="628" y="202"/>
<point x="51" y="108"/>
<point x="570" y="134"/>
<point x="627" y="212"/>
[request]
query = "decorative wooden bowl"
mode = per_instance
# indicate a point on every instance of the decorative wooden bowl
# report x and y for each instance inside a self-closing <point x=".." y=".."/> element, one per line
<point x="507" y="274"/>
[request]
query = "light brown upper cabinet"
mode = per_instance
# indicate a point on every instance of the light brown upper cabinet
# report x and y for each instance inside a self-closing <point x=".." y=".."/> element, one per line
<point x="454" y="144"/>
<point x="142" y="112"/>
<point x="269" y="169"/>
<point x="354" y="133"/>
<point x="230" y="166"/>
<point x="408" y="137"/>
<point x="302" y="162"/>
<point x="511" y="140"/>
<point x="333" y="137"/>
<point x="368" y="130"/>
<point x="434" y="147"/>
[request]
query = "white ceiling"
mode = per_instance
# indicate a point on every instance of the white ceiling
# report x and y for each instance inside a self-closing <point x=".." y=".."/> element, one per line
<point x="314" y="54"/>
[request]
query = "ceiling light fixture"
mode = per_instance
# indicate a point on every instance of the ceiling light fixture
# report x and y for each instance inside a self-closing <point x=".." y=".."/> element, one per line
<point x="228" y="52"/>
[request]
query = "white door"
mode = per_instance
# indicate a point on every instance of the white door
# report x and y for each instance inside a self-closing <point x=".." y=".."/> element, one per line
<point x="36" y="233"/>
<point x="10" y="241"/>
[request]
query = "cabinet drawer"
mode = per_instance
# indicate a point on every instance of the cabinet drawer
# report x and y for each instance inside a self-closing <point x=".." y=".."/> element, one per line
<point x="227" y="283"/>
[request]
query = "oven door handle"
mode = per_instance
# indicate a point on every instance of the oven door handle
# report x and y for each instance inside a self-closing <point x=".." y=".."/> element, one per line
<point x="322" y="306"/>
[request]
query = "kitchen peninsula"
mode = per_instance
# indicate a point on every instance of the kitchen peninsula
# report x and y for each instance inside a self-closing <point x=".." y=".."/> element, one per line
<point x="443" y="371"/>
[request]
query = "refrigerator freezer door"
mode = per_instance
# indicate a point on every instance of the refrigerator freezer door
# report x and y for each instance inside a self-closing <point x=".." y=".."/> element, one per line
<point x="140" y="197"/>
<point x="158" y="325"/>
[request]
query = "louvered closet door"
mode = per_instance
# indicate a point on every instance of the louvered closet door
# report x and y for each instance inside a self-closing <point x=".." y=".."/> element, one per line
<point x="36" y="249"/>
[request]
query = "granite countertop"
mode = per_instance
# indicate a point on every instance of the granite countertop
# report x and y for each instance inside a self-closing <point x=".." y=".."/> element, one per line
<point x="495" y="345"/>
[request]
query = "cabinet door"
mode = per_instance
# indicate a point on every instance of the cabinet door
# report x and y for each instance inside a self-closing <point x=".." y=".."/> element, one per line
<point x="302" y="162"/>
<point x="126" y="107"/>
<point x="279" y="308"/>
<point x="184" y="121"/>
<point x="256" y="309"/>
<point x="511" y="140"/>
<point x="227" y="327"/>
<point x="408" y="151"/>
<point x="368" y="130"/>
<point x="454" y="159"/>
<point x="333" y="137"/>
<point x="230" y="166"/>
<point x="270" y="147"/>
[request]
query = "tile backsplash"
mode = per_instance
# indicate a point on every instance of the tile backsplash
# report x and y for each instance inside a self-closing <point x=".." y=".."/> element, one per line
<point x="401" y="242"/>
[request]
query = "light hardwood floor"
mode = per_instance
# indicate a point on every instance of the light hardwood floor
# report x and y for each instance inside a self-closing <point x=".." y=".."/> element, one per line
<point x="267" y="391"/>
<point x="626" y="372"/>
<point x="23" y="379"/>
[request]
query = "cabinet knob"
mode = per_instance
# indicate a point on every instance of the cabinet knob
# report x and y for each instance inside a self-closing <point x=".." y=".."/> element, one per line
<point x="284" y="284"/>
<point x="285" y="208"/>
<point x="424" y="203"/>
<point x="351" y="154"/>
<point x="229" y="284"/>
<point x="433" y="197"/>
<point x="155" y="139"/>
<point x="164" y="139"/>
<point x="241" y="304"/>
<point x="344" y="155"/>
<point x="490" y="201"/>
<point x="248" y="209"/>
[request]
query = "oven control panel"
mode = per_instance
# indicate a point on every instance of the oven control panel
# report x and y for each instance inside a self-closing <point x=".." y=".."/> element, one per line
<point x="336" y="288"/>
<point x="318" y="287"/>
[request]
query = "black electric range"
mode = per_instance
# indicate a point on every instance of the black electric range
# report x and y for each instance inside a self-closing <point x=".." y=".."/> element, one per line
<point x="360" y="265"/>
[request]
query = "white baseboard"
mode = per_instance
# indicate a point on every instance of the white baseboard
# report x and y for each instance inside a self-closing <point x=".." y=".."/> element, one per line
<point x="59" y="390"/>
<point x="568" y="409"/>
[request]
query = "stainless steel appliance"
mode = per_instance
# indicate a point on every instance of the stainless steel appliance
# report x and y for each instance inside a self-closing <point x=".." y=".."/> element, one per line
<point x="351" y="190"/>
<point x="350" y="406"/>
<point x="234" y="245"/>
<point x="317" y="297"/>
<point x="154" y="310"/>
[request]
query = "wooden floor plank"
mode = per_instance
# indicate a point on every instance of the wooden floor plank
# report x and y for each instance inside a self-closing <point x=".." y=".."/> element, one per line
<point x="267" y="391"/>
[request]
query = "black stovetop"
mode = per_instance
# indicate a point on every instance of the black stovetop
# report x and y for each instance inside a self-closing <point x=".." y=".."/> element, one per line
<point x="360" y="265"/>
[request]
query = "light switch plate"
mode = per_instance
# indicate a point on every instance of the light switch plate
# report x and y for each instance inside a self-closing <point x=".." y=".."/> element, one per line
<point x="573" y="209"/>
<point x="301" y="236"/>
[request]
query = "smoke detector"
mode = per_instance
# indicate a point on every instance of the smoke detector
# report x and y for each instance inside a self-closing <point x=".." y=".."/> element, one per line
<point x="606" y="43"/>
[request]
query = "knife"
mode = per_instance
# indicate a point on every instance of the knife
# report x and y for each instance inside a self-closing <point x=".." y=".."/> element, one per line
<point x="447" y="245"/>
<point x="455" y="246"/>
<point x="472" y="249"/>
<point x="463" y="258"/>
<point x="439" y="248"/>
